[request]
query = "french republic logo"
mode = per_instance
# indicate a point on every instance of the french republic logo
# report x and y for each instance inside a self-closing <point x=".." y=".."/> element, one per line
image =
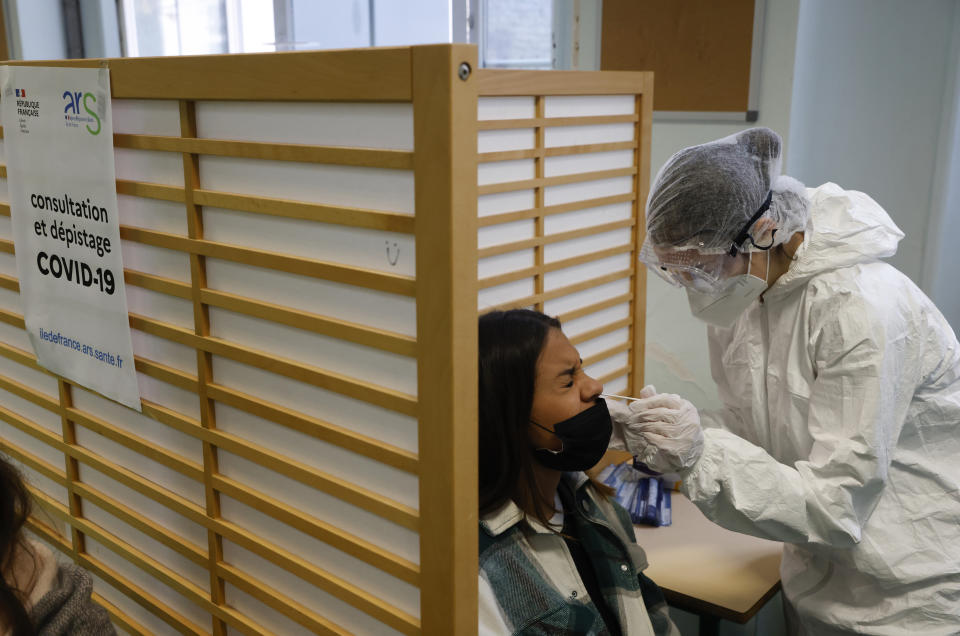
<point x="27" y="107"/>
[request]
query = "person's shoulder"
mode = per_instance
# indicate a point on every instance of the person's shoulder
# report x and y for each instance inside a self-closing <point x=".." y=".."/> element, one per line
<point x="825" y="189"/>
<point x="859" y="277"/>
<point x="832" y="191"/>
<point x="874" y="287"/>
<point x="69" y="608"/>
<point x="870" y="307"/>
<point x="609" y="509"/>
<point x="829" y="193"/>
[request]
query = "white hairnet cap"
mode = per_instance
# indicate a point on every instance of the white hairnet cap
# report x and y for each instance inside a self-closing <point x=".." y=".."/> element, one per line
<point x="705" y="195"/>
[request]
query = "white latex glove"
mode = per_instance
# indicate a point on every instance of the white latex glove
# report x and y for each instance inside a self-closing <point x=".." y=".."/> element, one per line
<point x="620" y="415"/>
<point x="664" y="433"/>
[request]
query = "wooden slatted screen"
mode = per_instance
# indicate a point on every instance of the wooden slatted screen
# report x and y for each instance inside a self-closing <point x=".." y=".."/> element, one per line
<point x="299" y="234"/>
<point x="562" y="183"/>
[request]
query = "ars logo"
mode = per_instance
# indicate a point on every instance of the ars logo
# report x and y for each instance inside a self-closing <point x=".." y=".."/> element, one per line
<point x="74" y="102"/>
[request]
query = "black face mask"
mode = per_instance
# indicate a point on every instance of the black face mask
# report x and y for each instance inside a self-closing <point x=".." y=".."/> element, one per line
<point x="585" y="438"/>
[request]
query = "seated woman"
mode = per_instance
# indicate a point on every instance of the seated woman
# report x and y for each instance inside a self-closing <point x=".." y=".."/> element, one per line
<point x="37" y="594"/>
<point x="557" y="554"/>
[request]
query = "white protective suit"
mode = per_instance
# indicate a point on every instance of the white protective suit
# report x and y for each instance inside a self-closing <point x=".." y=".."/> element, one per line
<point x="840" y="434"/>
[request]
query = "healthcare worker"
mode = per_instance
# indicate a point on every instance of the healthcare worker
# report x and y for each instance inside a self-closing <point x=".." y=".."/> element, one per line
<point x="840" y="432"/>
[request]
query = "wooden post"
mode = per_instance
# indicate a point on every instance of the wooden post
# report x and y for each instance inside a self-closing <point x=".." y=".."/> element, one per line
<point x="445" y="175"/>
<point x="538" y="195"/>
<point x="201" y="319"/>
<point x="69" y="436"/>
<point x="638" y="336"/>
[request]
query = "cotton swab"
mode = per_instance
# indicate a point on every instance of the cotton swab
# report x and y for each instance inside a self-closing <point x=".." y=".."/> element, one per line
<point x="621" y="397"/>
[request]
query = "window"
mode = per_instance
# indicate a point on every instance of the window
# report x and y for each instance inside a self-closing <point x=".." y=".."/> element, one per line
<point x="538" y="34"/>
<point x="517" y="34"/>
<point x="196" y="27"/>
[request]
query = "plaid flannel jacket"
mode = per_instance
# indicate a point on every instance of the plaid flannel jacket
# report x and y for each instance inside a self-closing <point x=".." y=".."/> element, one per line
<point x="535" y="582"/>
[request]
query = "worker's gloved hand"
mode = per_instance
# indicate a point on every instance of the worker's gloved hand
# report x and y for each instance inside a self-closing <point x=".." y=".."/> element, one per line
<point x="662" y="431"/>
<point x="620" y="414"/>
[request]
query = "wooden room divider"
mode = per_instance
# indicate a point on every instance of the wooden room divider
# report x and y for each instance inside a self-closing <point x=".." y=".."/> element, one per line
<point x="307" y="239"/>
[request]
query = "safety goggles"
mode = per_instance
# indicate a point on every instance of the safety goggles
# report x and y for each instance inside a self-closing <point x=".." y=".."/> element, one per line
<point x="707" y="269"/>
<point x="704" y="271"/>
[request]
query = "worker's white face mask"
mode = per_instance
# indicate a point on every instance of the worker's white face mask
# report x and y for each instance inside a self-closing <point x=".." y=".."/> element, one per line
<point x="722" y="308"/>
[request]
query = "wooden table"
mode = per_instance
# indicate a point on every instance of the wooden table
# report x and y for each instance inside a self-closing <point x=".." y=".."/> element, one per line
<point x="709" y="570"/>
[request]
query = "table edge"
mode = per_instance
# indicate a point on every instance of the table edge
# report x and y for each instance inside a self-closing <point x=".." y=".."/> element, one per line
<point x="700" y="606"/>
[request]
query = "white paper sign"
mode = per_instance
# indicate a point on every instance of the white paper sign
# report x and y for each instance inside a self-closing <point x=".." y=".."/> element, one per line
<point x="58" y="137"/>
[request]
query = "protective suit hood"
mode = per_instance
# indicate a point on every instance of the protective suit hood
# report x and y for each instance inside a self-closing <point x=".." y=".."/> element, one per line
<point x="849" y="228"/>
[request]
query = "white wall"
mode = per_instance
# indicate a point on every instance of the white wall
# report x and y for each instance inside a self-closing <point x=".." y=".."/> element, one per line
<point x="676" y="355"/>
<point x="942" y="256"/>
<point x="591" y="14"/>
<point x="868" y="105"/>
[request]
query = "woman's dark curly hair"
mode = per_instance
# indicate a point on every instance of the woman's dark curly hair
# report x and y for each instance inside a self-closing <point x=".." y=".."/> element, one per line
<point x="510" y="345"/>
<point x="15" y="507"/>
